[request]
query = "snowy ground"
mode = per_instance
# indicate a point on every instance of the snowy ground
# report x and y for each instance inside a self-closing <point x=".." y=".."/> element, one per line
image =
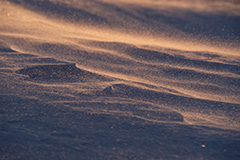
<point x="103" y="79"/>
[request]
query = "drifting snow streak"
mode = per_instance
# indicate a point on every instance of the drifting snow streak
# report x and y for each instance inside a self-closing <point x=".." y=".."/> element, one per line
<point x="118" y="63"/>
<point x="62" y="73"/>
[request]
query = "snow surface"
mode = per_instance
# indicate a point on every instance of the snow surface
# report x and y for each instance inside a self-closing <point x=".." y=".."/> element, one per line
<point x="103" y="79"/>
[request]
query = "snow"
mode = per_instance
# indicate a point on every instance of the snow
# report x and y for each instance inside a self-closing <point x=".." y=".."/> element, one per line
<point x="101" y="79"/>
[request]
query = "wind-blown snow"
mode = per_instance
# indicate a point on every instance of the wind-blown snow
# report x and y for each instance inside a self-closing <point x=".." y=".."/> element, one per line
<point x="102" y="79"/>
